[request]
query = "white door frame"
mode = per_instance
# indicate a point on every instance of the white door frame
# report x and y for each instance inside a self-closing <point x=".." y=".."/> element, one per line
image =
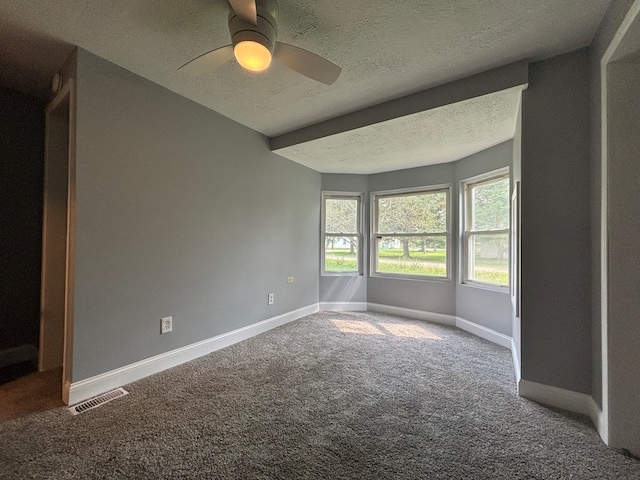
<point x="634" y="11"/>
<point x="64" y="340"/>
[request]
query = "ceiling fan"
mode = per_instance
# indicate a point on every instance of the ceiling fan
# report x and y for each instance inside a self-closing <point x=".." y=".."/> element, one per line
<point x="253" y="25"/>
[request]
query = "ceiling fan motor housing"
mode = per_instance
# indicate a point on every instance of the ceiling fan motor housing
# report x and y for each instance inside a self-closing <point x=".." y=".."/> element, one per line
<point x="264" y="33"/>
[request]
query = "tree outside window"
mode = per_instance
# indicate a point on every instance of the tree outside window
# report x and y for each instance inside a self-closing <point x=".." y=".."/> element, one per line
<point x="411" y="233"/>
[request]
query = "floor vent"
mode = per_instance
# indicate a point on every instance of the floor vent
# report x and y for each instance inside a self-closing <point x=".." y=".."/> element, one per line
<point x="97" y="401"/>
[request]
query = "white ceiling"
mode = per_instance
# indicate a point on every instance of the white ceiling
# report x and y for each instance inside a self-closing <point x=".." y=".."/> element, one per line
<point x="387" y="49"/>
<point x="434" y="136"/>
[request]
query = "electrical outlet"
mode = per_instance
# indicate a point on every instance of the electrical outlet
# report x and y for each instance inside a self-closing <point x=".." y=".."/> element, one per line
<point x="166" y="325"/>
<point x="272" y="299"/>
<point x="289" y="279"/>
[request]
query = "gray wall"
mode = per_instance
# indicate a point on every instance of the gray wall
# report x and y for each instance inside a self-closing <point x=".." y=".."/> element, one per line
<point x="182" y="212"/>
<point x="556" y="236"/>
<point x="491" y="309"/>
<point x="348" y="288"/>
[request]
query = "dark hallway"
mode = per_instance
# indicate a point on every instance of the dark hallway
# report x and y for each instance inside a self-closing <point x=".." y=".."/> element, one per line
<point x="22" y="132"/>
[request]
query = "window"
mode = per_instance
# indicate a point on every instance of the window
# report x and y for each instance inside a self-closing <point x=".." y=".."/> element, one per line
<point x="486" y="235"/>
<point x="341" y="233"/>
<point x="410" y="233"/>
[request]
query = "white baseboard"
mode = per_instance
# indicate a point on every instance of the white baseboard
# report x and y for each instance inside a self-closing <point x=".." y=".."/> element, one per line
<point x="343" y="306"/>
<point x="410" y="313"/>
<point x="90" y="387"/>
<point x="597" y="417"/>
<point x="483" y="332"/>
<point x="516" y="360"/>
<point x="451" y="320"/>
<point x="556" y="397"/>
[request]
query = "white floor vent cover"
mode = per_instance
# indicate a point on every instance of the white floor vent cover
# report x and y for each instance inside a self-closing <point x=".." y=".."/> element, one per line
<point x="97" y="401"/>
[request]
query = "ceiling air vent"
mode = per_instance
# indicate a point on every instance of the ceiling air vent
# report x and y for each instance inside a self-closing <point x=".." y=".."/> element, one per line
<point x="97" y="401"/>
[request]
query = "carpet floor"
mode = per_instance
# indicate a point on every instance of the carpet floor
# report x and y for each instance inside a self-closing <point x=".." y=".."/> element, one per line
<point x="330" y="396"/>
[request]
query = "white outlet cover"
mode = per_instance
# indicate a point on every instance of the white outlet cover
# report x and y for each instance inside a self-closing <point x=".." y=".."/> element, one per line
<point x="289" y="279"/>
<point x="166" y="325"/>
<point x="271" y="299"/>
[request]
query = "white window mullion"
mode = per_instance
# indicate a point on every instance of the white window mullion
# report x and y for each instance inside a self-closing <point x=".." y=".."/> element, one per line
<point x="488" y="232"/>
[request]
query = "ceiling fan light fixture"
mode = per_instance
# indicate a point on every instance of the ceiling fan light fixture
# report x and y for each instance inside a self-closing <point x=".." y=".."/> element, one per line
<point x="252" y="55"/>
<point x="253" y="27"/>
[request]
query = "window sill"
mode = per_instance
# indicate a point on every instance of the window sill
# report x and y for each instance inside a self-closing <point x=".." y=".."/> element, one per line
<point x="484" y="286"/>
<point x="341" y="274"/>
<point x="411" y="278"/>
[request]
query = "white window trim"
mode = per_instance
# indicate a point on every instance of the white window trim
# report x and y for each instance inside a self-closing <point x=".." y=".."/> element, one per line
<point x="373" y="244"/>
<point x="465" y="207"/>
<point x="359" y="257"/>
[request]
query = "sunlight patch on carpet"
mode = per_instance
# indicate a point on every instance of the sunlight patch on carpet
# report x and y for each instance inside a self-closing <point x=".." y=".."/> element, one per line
<point x="384" y="328"/>
<point x="352" y="326"/>
<point x="409" y="331"/>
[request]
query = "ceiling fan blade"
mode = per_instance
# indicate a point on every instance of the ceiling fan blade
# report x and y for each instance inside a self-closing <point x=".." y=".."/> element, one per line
<point x="307" y="63"/>
<point x="246" y="10"/>
<point x="207" y="62"/>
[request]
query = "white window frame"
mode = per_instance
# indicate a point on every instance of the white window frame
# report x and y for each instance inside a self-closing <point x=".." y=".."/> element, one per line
<point x="375" y="235"/>
<point x="465" y="214"/>
<point x="359" y="196"/>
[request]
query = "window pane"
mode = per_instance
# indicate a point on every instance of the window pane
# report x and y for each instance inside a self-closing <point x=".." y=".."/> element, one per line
<point x="489" y="259"/>
<point x="425" y="256"/>
<point x="419" y="213"/>
<point x="341" y="215"/>
<point x="341" y="254"/>
<point x="490" y="210"/>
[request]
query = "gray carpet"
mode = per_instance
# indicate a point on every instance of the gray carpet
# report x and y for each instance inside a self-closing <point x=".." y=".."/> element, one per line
<point x="330" y="396"/>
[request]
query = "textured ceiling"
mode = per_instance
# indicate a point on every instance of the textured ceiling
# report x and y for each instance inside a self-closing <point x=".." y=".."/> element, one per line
<point x="387" y="49"/>
<point x="435" y="136"/>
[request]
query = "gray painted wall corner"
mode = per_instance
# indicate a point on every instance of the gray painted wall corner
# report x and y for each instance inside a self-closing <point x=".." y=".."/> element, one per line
<point x="556" y="232"/>
<point x="182" y="212"/>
